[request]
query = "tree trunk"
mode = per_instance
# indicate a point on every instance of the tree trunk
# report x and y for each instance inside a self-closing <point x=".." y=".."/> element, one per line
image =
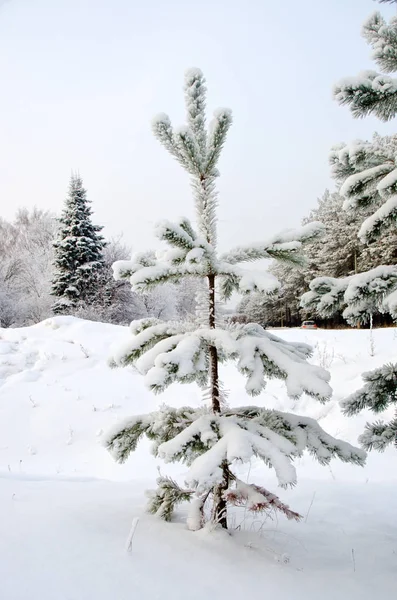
<point x="219" y="514"/>
<point x="219" y="511"/>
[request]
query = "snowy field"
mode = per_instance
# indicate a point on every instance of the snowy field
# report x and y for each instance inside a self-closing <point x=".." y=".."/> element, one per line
<point x="66" y="507"/>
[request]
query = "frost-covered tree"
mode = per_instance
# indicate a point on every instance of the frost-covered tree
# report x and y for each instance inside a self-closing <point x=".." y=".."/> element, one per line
<point x="78" y="252"/>
<point x="367" y="175"/>
<point x="338" y="253"/>
<point x="114" y="301"/>
<point x="26" y="255"/>
<point x="371" y="92"/>
<point x="214" y="439"/>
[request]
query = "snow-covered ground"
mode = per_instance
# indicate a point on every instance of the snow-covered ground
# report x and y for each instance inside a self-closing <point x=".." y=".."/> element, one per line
<point x="66" y="508"/>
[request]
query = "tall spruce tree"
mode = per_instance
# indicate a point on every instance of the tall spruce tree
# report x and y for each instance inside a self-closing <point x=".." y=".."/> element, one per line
<point x="367" y="174"/>
<point x="78" y="253"/>
<point x="214" y="439"/>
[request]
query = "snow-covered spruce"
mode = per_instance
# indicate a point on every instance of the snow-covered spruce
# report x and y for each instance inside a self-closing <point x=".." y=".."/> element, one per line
<point x="79" y="247"/>
<point x="212" y="441"/>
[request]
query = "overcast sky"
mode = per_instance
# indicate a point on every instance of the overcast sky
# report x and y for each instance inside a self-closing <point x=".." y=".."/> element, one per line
<point x="81" y="80"/>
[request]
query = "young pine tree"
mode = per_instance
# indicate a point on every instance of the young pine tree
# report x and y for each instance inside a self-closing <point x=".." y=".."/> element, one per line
<point x="367" y="175"/>
<point x="214" y="439"/>
<point x="78" y="253"/>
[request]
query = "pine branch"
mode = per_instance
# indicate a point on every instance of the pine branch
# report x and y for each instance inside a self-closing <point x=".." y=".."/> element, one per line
<point x="382" y="36"/>
<point x="369" y="93"/>
<point x="284" y="246"/>
<point x="379" y="435"/>
<point x="361" y="295"/>
<point x="162" y="130"/>
<point x="258" y="499"/>
<point x="219" y="128"/>
<point x="195" y="94"/>
<point x="361" y="189"/>
<point x="123" y="269"/>
<point x="123" y="439"/>
<point x="163" y="500"/>
<point x="379" y="391"/>
<point x="176" y="234"/>
<point x="189" y="150"/>
<point x="382" y="219"/>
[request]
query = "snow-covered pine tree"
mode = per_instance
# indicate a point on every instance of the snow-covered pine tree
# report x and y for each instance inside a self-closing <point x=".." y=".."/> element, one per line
<point x="367" y="175"/>
<point x="214" y="439"/>
<point x="78" y="252"/>
<point x="371" y="92"/>
<point x="338" y="253"/>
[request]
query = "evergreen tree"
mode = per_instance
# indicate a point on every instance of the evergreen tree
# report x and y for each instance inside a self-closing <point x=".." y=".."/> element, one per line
<point x="338" y="253"/>
<point x="367" y="174"/>
<point x="78" y="253"/>
<point x="211" y="440"/>
<point x="371" y="92"/>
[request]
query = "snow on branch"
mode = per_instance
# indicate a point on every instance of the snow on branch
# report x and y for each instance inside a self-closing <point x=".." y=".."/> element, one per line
<point x="147" y="333"/>
<point x="360" y="188"/>
<point x="285" y="245"/>
<point x="175" y="234"/>
<point x="123" y="269"/>
<point x="361" y="295"/>
<point x="166" y="352"/>
<point x="326" y="295"/>
<point x="368" y="93"/>
<point x="163" y="500"/>
<point x="218" y="129"/>
<point x="379" y="435"/>
<point x="159" y="426"/>
<point x="189" y="149"/>
<point x="162" y="130"/>
<point x="383" y="218"/>
<point x="382" y="36"/>
<point x="346" y="159"/>
<point x="234" y="278"/>
<point x="378" y="394"/>
<point x="379" y="391"/>
<point x="206" y="441"/>
<point x="261" y="355"/>
<point x="123" y="438"/>
<point x="367" y="172"/>
<point x="390" y="304"/>
<point x="195" y="96"/>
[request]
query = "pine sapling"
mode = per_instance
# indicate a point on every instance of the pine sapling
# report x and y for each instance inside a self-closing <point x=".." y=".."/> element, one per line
<point x="213" y="440"/>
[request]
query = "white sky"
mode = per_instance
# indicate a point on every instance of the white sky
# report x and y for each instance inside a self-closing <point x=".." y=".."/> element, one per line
<point x="81" y="80"/>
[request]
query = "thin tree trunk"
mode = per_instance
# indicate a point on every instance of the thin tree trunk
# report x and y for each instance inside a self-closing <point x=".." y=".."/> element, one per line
<point x="220" y="506"/>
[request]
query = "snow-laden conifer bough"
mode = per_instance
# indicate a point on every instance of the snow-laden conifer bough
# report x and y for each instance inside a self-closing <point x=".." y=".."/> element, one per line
<point x="214" y="439"/>
<point x="367" y="175"/>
